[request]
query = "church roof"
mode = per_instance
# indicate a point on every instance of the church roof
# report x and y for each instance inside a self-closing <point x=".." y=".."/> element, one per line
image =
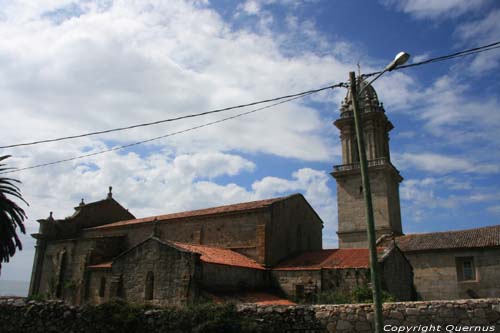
<point x="460" y="239"/>
<point x="216" y="255"/>
<point x="253" y="297"/>
<point x="332" y="259"/>
<point x="239" y="207"/>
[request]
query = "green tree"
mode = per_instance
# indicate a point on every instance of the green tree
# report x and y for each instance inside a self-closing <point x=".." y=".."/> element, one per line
<point x="11" y="215"/>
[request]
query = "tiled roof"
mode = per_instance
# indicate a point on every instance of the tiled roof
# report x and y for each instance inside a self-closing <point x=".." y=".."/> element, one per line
<point x="334" y="258"/>
<point x="254" y="297"/>
<point x="216" y="255"/>
<point x="104" y="265"/>
<point x="240" y="207"/>
<point x="471" y="238"/>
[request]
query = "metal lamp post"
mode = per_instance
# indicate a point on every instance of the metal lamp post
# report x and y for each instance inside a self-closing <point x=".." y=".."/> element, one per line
<point x="400" y="59"/>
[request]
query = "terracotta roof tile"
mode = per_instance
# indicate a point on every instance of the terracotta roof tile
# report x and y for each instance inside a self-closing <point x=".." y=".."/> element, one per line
<point x="333" y="258"/>
<point x="104" y="265"/>
<point x="215" y="255"/>
<point x="470" y="238"/>
<point x="254" y="297"/>
<point x="245" y="206"/>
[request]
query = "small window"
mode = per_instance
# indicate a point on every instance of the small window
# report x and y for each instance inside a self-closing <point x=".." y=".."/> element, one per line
<point x="299" y="291"/>
<point x="466" y="270"/>
<point x="150" y="285"/>
<point x="102" y="287"/>
<point x="119" y="287"/>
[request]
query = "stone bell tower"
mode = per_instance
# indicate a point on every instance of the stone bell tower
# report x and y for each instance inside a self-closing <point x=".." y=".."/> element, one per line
<point x="384" y="177"/>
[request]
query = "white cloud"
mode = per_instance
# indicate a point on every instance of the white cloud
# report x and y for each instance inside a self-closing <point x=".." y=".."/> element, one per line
<point x="481" y="32"/>
<point x="437" y="198"/>
<point x="442" y="164"/>
<point x="448" y="109"/>
<point x="143" y="61"/>
<point x="251" y="7"/>
<point x="212" y="164"/>
<point x="431" y="9"/>
<point x="420" y="57"/>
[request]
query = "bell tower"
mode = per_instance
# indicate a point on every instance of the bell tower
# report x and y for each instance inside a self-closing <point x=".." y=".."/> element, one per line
<point x="384" y="177"/>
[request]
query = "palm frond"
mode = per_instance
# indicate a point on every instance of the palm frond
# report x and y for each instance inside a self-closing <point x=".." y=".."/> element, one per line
<point x="11" y="216"/>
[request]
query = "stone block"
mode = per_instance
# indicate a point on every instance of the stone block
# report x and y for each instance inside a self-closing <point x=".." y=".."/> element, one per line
<point x="331" y="327"/>
<point x="396" y="315"/>
<point x="412" y="311"/>
<point x="479" y="313"/>
<point x="362" y="326"/>
<point x="343" y="325"/>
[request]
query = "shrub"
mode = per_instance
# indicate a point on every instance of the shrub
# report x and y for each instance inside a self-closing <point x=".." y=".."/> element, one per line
<point x="364" y="295"/>
<point x="361" y="294"/>
<point x="332" y="297"/>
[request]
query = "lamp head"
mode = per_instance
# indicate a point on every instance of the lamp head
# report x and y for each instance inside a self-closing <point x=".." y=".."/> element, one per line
<point x="400" y="59"/>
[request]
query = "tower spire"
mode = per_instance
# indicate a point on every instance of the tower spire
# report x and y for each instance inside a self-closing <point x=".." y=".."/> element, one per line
<point x="384" y="177"/>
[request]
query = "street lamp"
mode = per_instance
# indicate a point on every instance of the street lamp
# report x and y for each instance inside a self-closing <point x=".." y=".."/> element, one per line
<point x="400" y="59"/>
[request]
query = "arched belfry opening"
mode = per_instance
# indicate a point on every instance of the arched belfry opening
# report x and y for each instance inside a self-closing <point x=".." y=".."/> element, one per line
<point x="384" y="177"/>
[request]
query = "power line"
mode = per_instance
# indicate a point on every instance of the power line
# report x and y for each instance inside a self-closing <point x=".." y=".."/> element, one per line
<point x="297" y="96"/>
<point x="441" y="58"/>
<point x="304" y="93"/>
<point x="464" y="53"/>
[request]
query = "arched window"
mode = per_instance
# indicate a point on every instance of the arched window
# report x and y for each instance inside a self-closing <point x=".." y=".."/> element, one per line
<point x="119" y="288"/>
<point x="150" y="284"/>
<point x="62" y="271"/>
<point x="102" y="287"/>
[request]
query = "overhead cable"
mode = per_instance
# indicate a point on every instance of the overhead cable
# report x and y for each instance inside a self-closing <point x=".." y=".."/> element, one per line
<point x="301" y="94"/>
<point x="464" y="53"/>
<point x="173" y="133"/>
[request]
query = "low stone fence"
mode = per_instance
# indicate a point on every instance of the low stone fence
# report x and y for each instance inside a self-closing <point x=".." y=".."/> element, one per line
<point x="480" y="315"/>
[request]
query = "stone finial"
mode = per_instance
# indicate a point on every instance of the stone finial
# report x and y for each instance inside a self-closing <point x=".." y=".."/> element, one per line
<point x="110" y="194"/>
<point x="82" y="203"/>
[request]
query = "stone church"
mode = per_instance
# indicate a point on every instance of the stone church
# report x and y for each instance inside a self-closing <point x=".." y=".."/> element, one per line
<point x="267" y="251"/>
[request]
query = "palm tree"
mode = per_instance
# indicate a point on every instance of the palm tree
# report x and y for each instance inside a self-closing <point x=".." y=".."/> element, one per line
<point x="11" y="215"/>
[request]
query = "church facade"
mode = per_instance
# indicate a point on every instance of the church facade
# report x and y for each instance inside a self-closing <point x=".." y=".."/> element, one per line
<point x="268" y="250"/>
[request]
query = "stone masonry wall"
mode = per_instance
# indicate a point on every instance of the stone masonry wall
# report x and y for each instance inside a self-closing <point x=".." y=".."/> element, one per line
<point x="351" y="209"/>
<point x="436" y="274"/>
<point x="480" y="315"/>
<point x="229" y="231"/>
<point x="295" y="228"/>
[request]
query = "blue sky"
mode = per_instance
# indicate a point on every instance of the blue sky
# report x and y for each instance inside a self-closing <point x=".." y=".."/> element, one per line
<point x="70" y="67"/>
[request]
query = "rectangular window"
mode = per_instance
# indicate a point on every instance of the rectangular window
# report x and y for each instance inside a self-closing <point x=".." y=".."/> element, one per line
<point x="466" y="270"/>
<point x="299" y="291"/>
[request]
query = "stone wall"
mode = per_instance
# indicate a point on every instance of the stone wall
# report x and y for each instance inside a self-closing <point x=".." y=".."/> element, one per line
<point x="351" y="209"/>
<point x="436" y="273"/>
<point x="297" y="284"/>
<point x="295" y="228"/>
<point x="482" y="315"/>
<point x="397" y="276"/>
<point x="231" y="278"/>
<point x="173" y="273"/>
<point x="236" y="231"/>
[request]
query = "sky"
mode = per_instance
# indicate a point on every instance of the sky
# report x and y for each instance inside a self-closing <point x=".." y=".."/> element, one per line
<point x="71" y="67"/>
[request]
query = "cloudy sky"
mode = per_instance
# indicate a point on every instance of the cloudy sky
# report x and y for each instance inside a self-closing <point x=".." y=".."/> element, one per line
<point x="69" y="67"/>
